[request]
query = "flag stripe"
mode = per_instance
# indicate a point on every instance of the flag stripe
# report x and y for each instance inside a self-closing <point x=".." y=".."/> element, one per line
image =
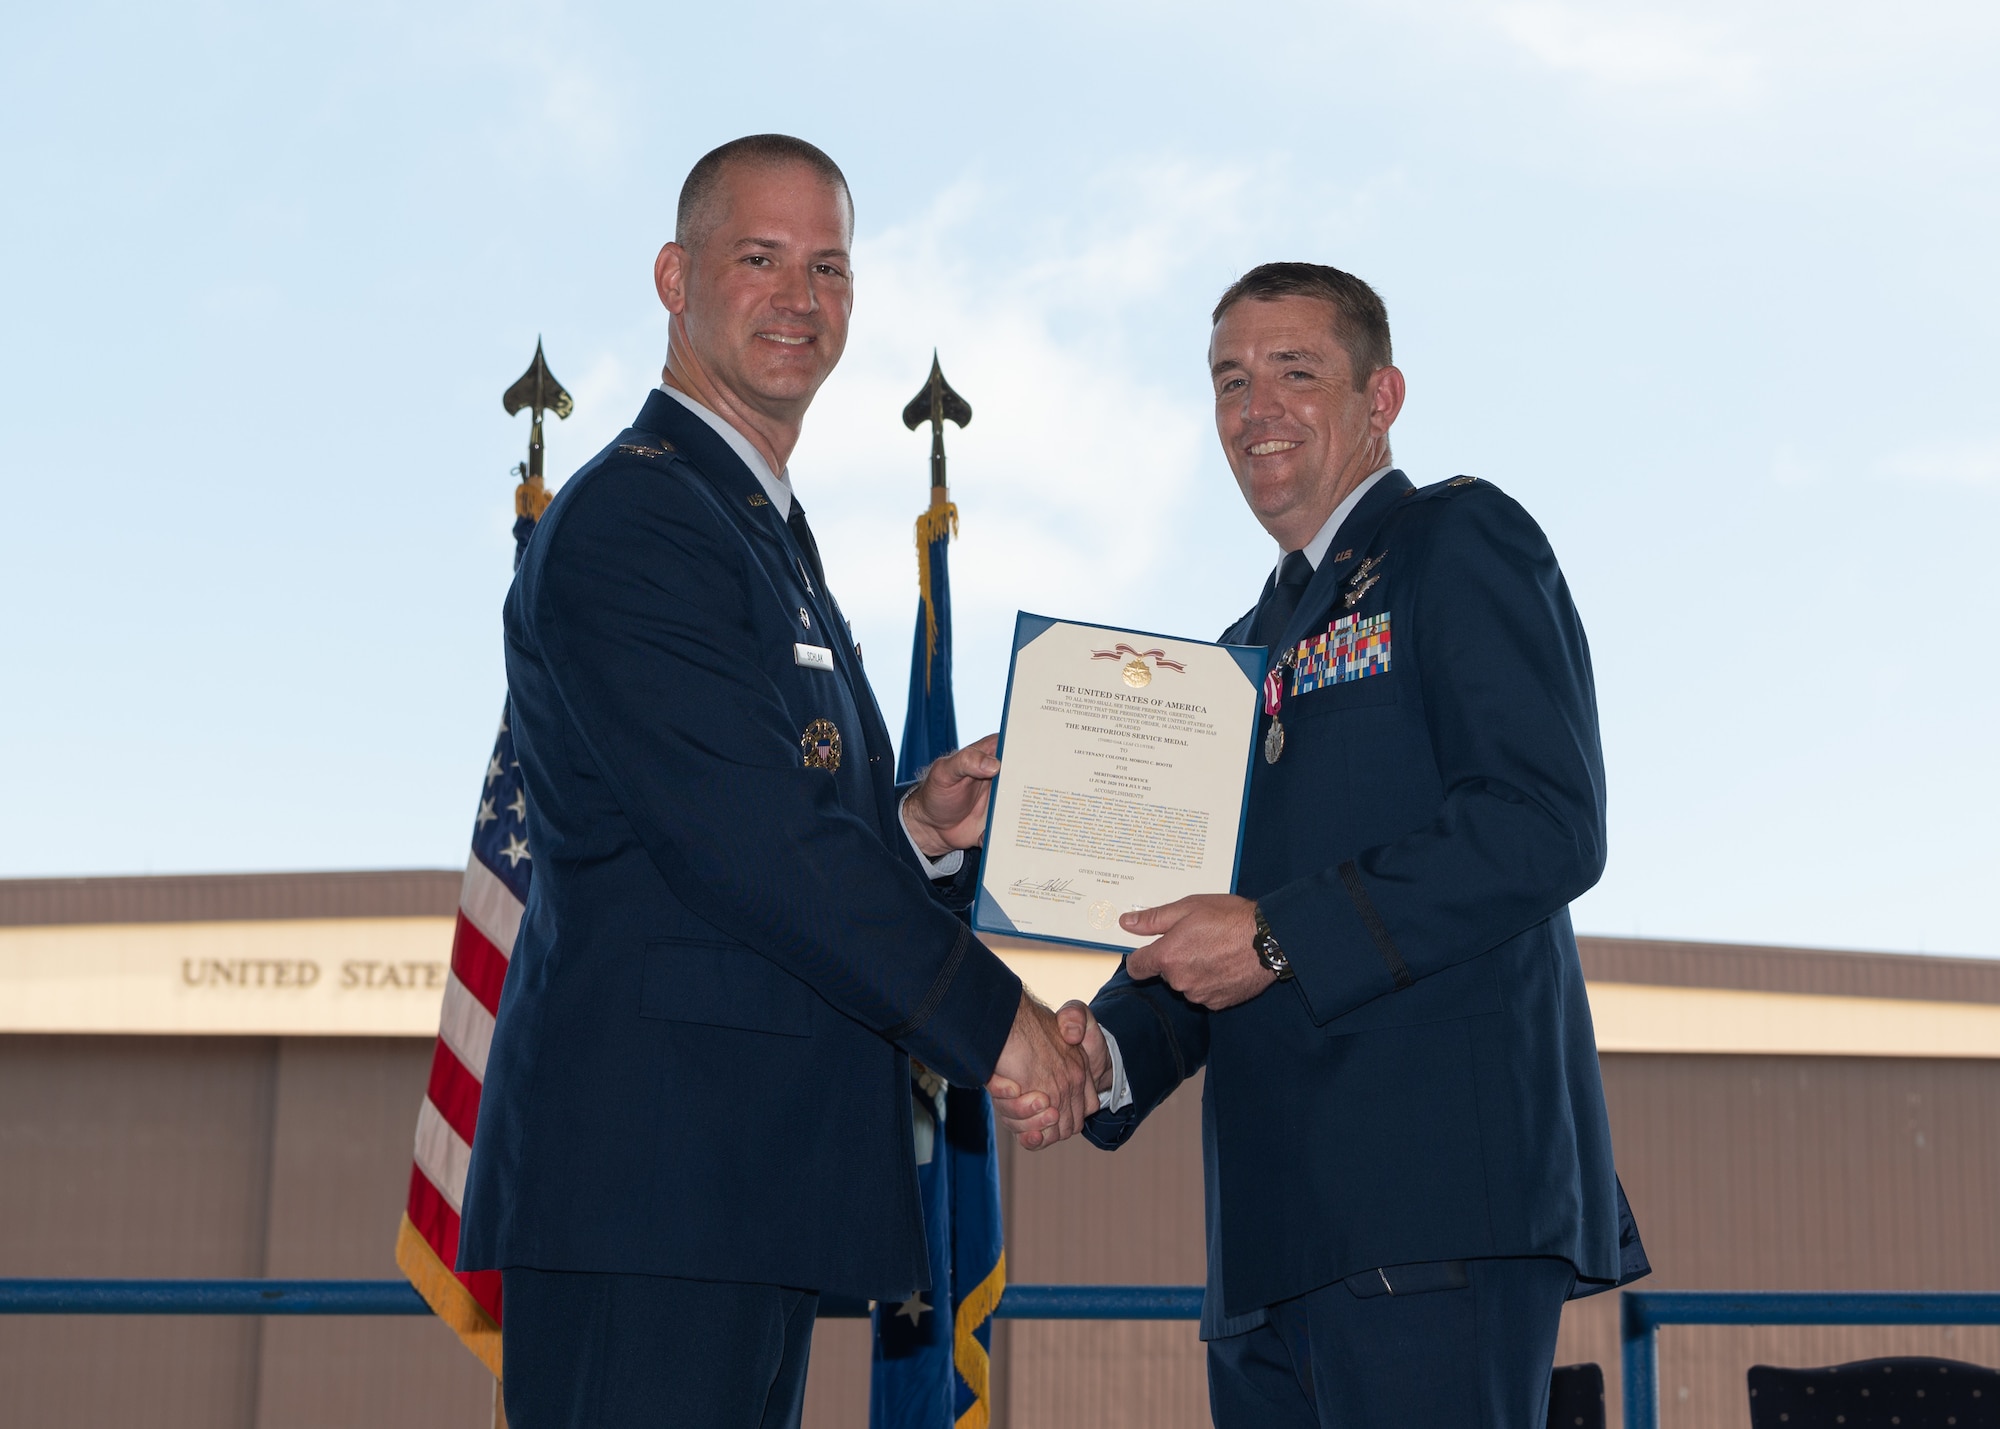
<point x="485" y="1288"/>
<point x="443" y="1154"/>
<point x="490" y="905"/>
<point x="432" y="1216"/>
<point x="437" y="1222"/>
<point x="465" y="1026"/>
<point x="478" y="964"/>
<point x="454" y="1092"/>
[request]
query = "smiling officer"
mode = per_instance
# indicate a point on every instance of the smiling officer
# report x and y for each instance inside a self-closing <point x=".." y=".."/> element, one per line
<point x="736" y="918"/>
<point x="1407" y="1158"/>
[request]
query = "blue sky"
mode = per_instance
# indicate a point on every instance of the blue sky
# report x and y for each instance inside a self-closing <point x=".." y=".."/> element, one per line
<point x="1709" y="287"/>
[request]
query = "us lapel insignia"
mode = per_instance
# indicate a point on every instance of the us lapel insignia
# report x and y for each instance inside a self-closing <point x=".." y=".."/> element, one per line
<point x="757" y="500"/>
<point x="821" y="743"/>
<point x="1346" y="555"/>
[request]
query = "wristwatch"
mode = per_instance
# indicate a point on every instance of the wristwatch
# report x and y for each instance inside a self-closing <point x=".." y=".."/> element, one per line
<point x="1268" y="952"/>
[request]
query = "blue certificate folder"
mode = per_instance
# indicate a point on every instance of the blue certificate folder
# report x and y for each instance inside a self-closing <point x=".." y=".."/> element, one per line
<point x="1125" y="648"/>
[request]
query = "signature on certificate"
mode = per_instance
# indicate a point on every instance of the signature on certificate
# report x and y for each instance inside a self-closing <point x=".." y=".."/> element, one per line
<point x="1048" y="890"/>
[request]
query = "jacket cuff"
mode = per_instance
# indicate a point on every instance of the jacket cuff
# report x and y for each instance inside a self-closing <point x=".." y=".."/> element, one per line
<point x="959" y="890"/>
<point x="1342" y="955"/>
<point x="965" y="1018"/>
<point x="1154" y="1061"/>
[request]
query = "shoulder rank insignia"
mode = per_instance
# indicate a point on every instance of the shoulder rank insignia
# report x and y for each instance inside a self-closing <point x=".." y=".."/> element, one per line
<point x="632" y="449"/>
<point x="1461" y="481"/>
<point x="757" y="498"/>
<point x="821" y="743"/>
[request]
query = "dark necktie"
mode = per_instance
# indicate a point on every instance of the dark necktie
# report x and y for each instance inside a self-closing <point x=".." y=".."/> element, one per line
<point x="803" y="534"/>
<point x="1281" y="599"/>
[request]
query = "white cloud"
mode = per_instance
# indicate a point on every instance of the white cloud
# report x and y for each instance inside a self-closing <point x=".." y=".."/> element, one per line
<point x="1973" y="464"/>
<point x="605" y="402"/>
<point x="1652" y="50"/>
<point x="1075" y="465"/>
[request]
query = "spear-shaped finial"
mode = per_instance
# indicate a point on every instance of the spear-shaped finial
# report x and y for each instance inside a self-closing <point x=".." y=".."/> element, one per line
<point x="539" y="392"/>
<point x="937" y="404"/>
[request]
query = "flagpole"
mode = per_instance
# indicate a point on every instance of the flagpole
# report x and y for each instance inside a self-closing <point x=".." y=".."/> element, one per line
<point x="932" y="1363"/>
<point x="497" y="873"/>
<point x="930" y="727"/>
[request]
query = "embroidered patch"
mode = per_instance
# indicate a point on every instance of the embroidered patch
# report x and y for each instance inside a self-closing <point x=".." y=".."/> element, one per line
<point x="1352" y="648"/>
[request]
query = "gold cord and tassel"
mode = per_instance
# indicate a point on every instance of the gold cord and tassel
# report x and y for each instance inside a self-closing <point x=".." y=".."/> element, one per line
<point x="532" y="497"/>
<point x="937" y="524"/>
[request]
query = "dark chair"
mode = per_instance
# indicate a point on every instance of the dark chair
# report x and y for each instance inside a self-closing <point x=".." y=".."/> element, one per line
<point x="1907" y="1393"/>
<point x="1576" y="1397"/>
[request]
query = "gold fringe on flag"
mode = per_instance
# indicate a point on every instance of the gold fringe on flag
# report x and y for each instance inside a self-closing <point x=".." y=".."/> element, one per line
<point x="975" y="1366"/>
<point x="937" y="524"/>
<point x="447" y="1296"/>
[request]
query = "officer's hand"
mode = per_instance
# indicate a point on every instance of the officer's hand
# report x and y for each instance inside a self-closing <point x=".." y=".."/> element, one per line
<point x="1202" y="949"/>
<point x="1026" y="1114"/>
<point x="948" y="810"/>
<point x="1039" y="1061"/>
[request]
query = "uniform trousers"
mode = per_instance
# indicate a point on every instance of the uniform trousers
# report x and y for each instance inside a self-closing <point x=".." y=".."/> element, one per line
<point x="591" y="1351"/>
<point x="1456" y="1344"/>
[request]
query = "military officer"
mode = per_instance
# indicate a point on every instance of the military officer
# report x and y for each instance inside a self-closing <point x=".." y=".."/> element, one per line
<point x="736" y="918"/>
<point x="1407" y="1158"/>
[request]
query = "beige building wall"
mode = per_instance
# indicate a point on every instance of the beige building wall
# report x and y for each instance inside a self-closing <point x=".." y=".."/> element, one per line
<point x="216" y="1157"/>
<point x="1783" y="1120"/>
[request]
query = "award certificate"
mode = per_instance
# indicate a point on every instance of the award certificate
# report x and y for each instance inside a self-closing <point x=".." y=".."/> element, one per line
<point x="1124" y="771"/>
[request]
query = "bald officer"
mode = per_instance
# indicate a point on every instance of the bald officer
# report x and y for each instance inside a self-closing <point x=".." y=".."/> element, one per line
<point x="696" y="1114"/>
<point x="1407" y="1158"/>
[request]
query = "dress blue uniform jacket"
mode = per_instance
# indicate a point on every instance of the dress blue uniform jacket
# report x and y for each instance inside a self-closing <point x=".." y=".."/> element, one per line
<point x="701" y="1061"/>
<point x="1427" y="1087"/>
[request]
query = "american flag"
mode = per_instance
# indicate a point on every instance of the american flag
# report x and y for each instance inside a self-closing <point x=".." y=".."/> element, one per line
<point x="489" y="914"/>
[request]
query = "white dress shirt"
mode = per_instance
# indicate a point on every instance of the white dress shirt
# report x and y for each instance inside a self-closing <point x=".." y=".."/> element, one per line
<point x="1120" y="1095"/>
<point x="1318" y="546"/>
<point x="778" y="487"/>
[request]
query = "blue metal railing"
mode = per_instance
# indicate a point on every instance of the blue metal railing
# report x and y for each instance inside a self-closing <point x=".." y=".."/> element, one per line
<point x="1644" y="1311"/>
<point x="395" y="1297"/>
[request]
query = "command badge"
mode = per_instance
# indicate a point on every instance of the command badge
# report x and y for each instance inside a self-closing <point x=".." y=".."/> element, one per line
<point x="821" y="743"/>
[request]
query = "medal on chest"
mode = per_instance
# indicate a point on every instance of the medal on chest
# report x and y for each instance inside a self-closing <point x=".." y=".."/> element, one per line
<point x="1274" y="699"/>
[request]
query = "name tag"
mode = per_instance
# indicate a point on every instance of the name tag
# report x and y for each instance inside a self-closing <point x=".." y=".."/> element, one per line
<point x="813" y="657"/>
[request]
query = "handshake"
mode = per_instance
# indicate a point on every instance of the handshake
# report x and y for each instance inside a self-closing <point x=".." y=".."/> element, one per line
<point x="1050" y="1073"/>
